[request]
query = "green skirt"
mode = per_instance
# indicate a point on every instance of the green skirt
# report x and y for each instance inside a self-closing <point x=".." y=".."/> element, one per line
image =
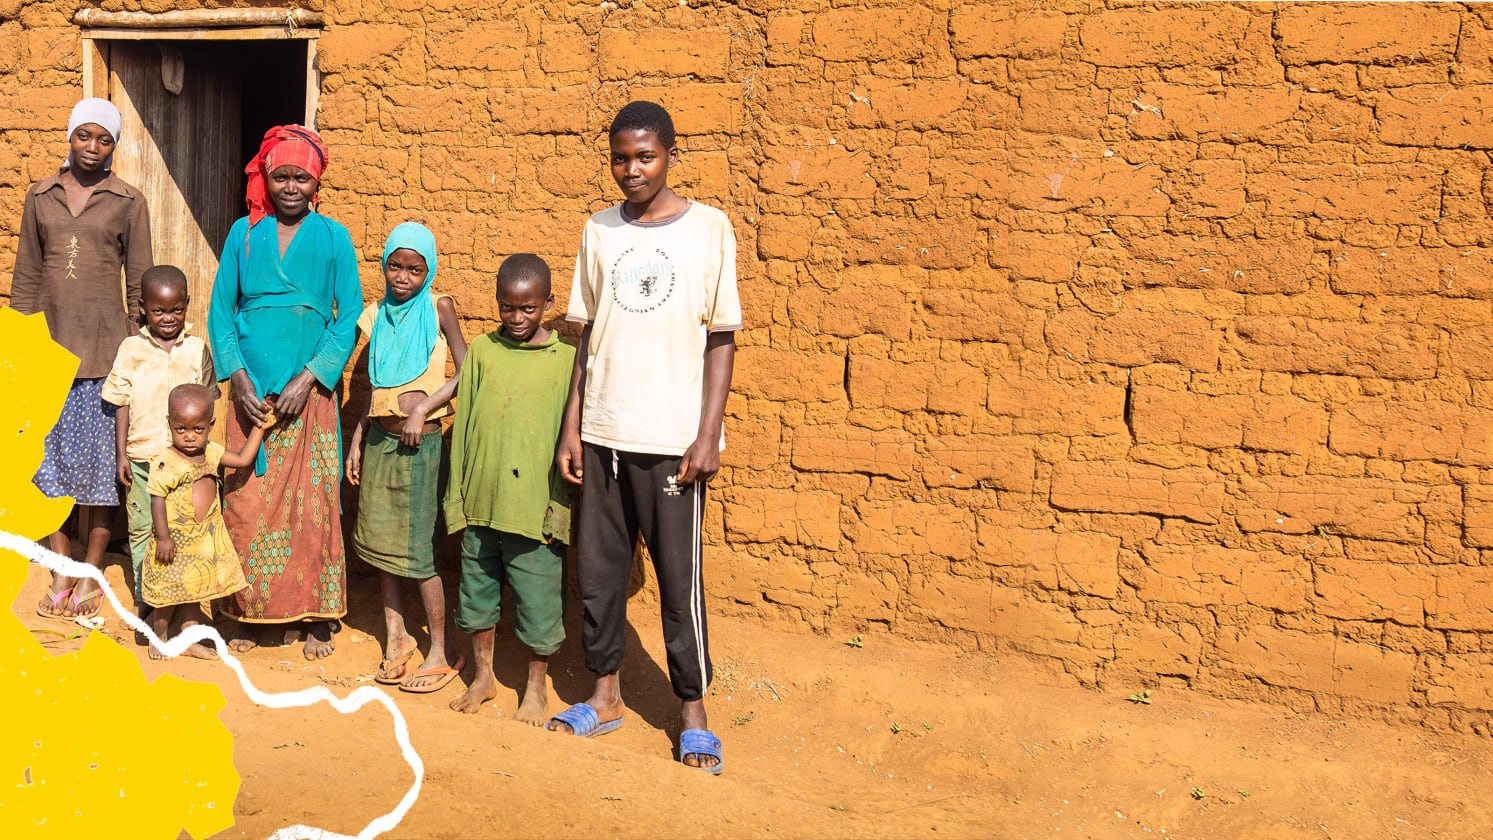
<point x="399" y="503"/>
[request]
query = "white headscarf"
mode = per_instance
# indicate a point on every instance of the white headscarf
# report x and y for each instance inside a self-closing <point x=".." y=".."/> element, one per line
<point x="100" y="112"/>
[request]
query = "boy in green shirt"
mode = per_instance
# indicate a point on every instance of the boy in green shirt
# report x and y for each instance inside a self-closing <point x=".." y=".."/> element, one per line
<point x="505" y="488"/>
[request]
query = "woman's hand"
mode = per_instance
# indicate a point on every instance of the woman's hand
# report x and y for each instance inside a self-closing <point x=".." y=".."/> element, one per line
<point x="293" y="396"/>
<point x="247" y="397"/>
<point x="165" y="551"/>
<point x="568" y="456"/>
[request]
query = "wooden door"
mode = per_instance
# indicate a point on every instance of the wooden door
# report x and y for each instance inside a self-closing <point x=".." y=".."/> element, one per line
<point x="182" y="150"/>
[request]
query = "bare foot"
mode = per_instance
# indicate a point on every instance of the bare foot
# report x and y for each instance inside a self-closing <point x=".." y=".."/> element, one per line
<point x="534" y="708"/>
<point x="241" y="638"/>
<point x="199" y="651"/>
<point x="142" y="612"/>
<point x="693" y="713"/>
<point x="196" y="651"/>
<point x="319" y="642"/>
<point x="482" y="689"/>
<point x="606" y="700"/>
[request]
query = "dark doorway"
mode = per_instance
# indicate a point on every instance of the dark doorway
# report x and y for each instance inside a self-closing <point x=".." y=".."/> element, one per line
<point x="195" y="112"/>
<point x="273" y="82"/>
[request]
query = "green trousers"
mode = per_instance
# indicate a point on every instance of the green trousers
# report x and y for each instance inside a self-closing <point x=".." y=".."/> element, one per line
<point x="137" y="509"/>
<point x="536" y="572"/>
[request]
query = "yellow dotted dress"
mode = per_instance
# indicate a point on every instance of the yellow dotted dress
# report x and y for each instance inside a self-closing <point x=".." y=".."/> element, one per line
<point x="205" y="566"/>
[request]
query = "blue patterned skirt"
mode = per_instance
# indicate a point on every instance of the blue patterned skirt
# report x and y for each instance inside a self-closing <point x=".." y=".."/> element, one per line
<point x="79" y="451"/>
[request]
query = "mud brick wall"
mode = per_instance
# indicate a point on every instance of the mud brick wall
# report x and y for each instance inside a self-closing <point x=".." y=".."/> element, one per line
<point x="1153" y="341"/>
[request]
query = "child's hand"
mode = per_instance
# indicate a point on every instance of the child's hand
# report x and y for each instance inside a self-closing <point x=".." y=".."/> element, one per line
<point x="568" y="457"/>
<point x="165" y="551"/>
<point x="412" y="430"/>
<point x="355" y="465"/>
<point x="270" y="417"/>
<point x="122" y="469"/>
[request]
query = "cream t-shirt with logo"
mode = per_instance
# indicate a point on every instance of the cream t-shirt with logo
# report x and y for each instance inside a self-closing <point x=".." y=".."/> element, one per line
<point x="652" y="292"/>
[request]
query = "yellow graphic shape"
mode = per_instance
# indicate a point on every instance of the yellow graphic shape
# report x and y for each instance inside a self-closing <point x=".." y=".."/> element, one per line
<point x="88" y="748"/>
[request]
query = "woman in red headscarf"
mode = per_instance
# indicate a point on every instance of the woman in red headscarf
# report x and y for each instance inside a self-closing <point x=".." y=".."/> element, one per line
<point x="282" y="324"/>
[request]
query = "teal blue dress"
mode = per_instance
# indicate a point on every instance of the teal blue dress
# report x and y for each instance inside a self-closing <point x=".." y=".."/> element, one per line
<point x="273" y="317"/>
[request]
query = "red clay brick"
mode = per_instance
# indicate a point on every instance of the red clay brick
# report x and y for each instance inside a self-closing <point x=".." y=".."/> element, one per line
<point x="1141" y="37"/>
<point x="764" y="515"/>
<point x="1377" y="33"/>
<point x="1454" y="272"/>
<point x="853" y="449"/>
<point x="1132" y="338"/>
<point x="1203" y="576"/>
<point x="785" y="375"/>
<point x="1259" y="421"/>
<point x="895" y="33"/>
<point x="702" y="53"/>
<point x="1044" y="407"/>
<point x="979" y="461"/>
<point x="1310" y="345"/>
<point x="1414" y="431"/>
<point x="1190" y="493"/>
<point x="1000" y="30"/>
<point x="1370" y="508"/>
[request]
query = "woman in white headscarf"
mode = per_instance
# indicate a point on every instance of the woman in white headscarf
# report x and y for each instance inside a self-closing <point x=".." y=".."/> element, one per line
<point x="81" y="229"/>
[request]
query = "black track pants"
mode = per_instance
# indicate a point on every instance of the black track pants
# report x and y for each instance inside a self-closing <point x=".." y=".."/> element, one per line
<point x="627" y="494"/>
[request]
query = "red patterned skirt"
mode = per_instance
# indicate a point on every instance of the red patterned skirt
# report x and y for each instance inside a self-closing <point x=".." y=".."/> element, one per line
<point x="287" y="524"/>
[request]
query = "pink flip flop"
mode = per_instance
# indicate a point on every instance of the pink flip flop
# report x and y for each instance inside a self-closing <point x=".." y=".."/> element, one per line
<point x="76" y="603"/>
<point x="56" y="608"/>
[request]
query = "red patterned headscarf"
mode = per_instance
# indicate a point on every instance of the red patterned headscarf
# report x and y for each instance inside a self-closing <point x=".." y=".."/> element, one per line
<point x="295" y="145"/>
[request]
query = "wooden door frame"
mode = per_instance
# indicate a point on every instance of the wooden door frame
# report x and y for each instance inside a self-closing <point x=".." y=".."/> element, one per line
<point x="98" y="29"/>
<point x="201" y="25"/>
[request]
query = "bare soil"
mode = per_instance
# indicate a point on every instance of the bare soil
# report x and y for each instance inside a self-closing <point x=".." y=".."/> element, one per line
<point x="826" y="740"/>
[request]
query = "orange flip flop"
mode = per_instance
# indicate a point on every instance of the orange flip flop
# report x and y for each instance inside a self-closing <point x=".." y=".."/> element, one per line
<point x="387" y="668"/>
<point x="447" y="674"/>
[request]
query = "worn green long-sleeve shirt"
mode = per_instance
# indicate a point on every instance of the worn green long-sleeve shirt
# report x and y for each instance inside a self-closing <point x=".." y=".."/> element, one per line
<point x="510" y="401"/>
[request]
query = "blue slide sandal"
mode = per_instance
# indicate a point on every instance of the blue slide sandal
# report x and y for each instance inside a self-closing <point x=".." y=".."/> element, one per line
<point x="702" y="742"/>
<point x="583" y="721"/>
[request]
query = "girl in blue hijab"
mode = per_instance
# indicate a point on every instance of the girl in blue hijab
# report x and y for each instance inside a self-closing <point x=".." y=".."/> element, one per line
<point x="396" y="458"/>
<point x="404" y="328"/>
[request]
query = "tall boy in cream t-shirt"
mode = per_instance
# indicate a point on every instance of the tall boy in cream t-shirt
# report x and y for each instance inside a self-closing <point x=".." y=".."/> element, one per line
<point x="655" y="285"/>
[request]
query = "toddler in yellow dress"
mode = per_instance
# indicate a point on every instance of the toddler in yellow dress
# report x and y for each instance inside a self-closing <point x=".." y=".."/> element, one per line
<point x="190" y="558"/>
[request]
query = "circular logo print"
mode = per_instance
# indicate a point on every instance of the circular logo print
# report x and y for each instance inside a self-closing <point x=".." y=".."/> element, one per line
<point x="642" y="280"/>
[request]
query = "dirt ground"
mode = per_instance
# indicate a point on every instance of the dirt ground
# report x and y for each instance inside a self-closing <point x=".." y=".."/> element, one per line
<point x="822" y="739"/>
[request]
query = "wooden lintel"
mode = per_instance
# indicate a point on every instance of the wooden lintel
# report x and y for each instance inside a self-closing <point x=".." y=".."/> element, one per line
<point x="236" y="33"/>
<point x="199" y="19"/>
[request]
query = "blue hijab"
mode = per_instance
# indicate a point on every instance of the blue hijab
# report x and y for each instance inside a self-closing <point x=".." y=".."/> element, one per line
<point x="404" y="334"/>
